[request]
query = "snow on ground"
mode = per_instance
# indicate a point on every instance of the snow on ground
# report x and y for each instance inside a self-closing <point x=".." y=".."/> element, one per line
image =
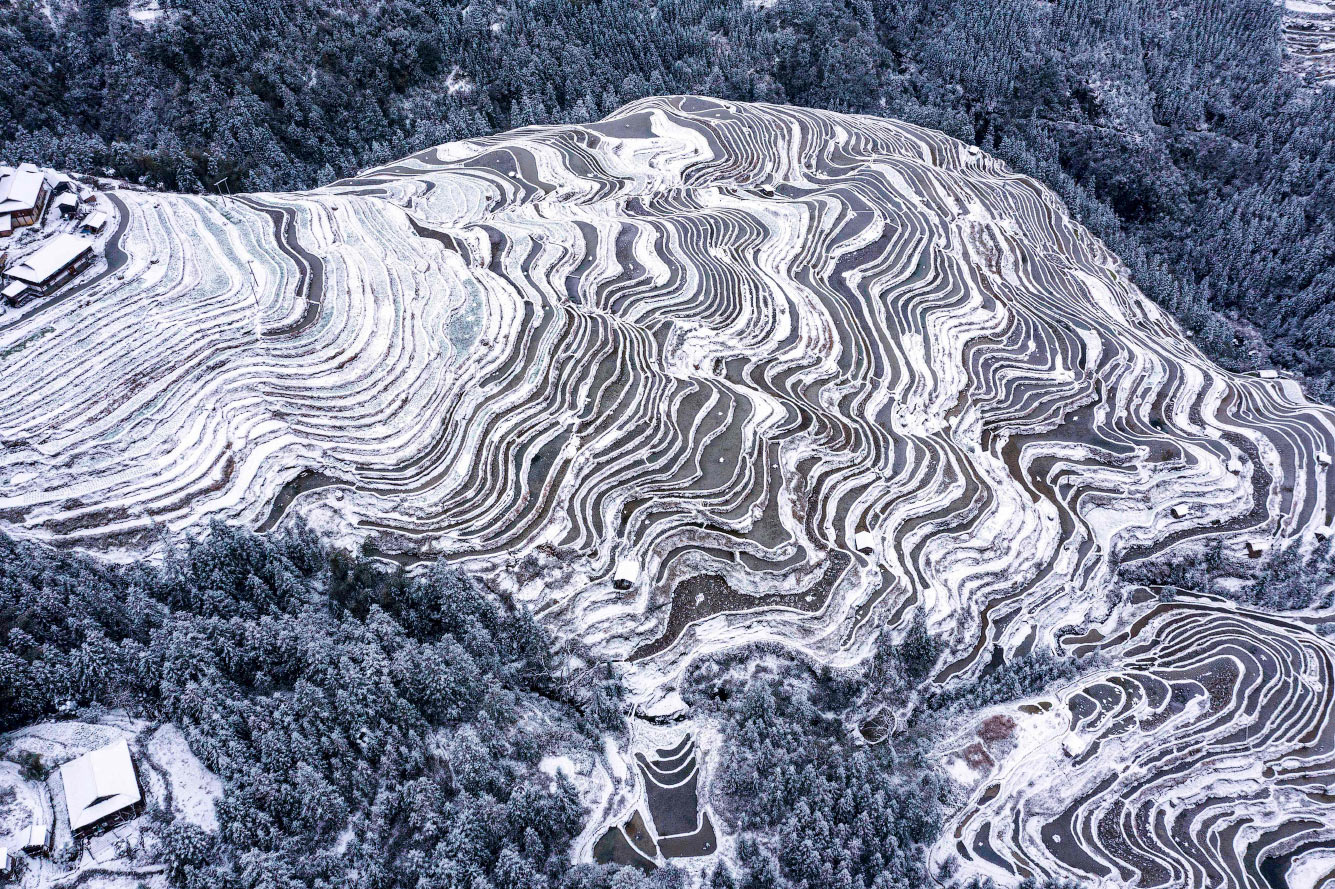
<point x="146" y="13"/>
<point x="1201" y="721"/>
<point x="1313" y="871"/>
<point x="59" y="742"/>
<point x="670" y="704"/>
<point x="458" y="83"/>
<point x="598" y="787"/>
<point x="801" y="405"/>
<point x="614" y="759"/>
<point x="194" y="789"/>
<point x="558" y="765"/>
<point x="22" y="803"/>
<point x="742" y="445"/>
<point x="679" y="753"/>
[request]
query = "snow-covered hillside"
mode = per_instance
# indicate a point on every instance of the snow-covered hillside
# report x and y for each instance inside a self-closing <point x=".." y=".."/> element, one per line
<point x="698" y="374"/>
<point x="702" y="370"/>
<point x="1202" y="755"/>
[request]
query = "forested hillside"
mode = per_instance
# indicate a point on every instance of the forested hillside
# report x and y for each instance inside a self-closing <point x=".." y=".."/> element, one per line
<point x="383" y="731"/>
<point x="329" y="695"/>
<point x="1170" y="129"/>
<point x="812" y="808"/>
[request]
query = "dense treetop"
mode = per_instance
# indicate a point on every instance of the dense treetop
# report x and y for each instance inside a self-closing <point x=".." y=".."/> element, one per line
<point x="369" y="729"/>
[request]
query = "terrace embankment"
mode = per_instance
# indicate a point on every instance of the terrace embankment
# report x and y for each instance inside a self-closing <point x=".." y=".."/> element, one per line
<point x="710" y="373"/>
<point x="720" y="371"/>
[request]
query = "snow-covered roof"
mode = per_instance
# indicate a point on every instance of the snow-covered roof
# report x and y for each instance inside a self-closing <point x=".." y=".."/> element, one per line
<point x="67" y="200"/>
<point x="50" y="258"/>
<point x="6" y="860"/>
<point x="627" y="572"/>
<point x="13" y="289"/>
<point x="146" y="13"/>
<point x="19" y="187"/>
<point x="99" y="784"/>
<point x="38" y="836"/>
<point x="94" y="221"/>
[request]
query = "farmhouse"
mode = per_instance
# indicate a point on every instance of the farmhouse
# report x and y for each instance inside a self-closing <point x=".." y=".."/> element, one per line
<point x="100" y="787"/>
<point x="23" y="194"/>
<point x="51" y="265"/>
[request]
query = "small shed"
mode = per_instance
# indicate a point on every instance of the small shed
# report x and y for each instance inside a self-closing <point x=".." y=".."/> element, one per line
<point x="1179" y="511"/>
<point x="67" y="204"/>
<point x="6" y="862"/>
<point x="100" y="787"/>
<point x="627" y="572"/>
<point x="15" y="293"/>
<point x="94" y="222"/>
<point x="37" y="840"/>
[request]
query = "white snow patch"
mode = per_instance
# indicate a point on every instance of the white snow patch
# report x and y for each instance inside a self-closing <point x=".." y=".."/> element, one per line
<point x="614" y="761"/>
<point x="21" y="803"/>
<point x="194" y="789"/>
<point x="1312" y="871"/>
<point x="961" y="771"/>
<point x="147" y="13"/>
<point x="670" y="704"/>
<point x="558" y="765"/>
<point x="457" y="83"/>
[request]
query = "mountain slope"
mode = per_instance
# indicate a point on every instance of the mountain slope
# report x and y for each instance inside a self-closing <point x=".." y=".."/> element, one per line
<point x="696" y="375"/>
<point x="792" y="368"/>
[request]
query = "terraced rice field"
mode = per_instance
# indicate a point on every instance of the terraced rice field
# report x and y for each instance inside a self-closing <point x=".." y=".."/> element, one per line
<point x="1204" y="755"/>
<point x="705" y="373"/>
<point x="681" y="827"/>
<point x="1309" y="37"/>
